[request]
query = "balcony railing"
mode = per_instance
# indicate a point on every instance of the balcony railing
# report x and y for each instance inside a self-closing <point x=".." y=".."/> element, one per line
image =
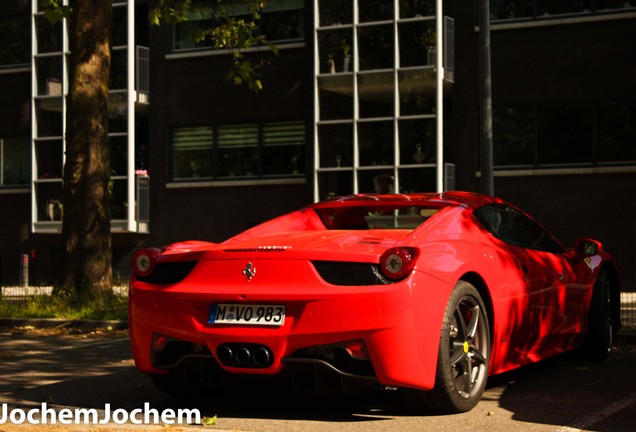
<point x="143" y="202"/>
<point x="142" y="74"/>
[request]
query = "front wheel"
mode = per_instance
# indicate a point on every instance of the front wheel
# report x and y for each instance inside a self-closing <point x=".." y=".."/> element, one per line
<point x="464" y="353"/>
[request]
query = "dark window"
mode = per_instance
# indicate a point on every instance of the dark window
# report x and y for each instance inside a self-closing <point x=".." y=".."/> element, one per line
<point x="546" y="9"/>
<point x="616" y="125"/>
<point x="335" y="12"/>
<point x="15" y="34"/>
<point x="514" y="131"/>
<point x="375" y="10"/>
<point x="336" y="145"/>
<point x="375" y="44"/>
<point x="49" y="35"/>
<point x="565" y="134"/>
<point x="15" y="161"/>
<point x="515" y="228"/>
<point x="192" y="153"/>
<point x="280" y="20"/>
<point x="417" y="43"/>
<point x="118" y="69"/>
<point x="506" y="9"/>
<point x="560" y="7"/>
<point x="120" y="26"/>
<point x="49" y="158"/>
<point x="239" y="151"/>
<point x="375" y="142"/>
<point x="335" y="183"/>
<point x="419" y="8"/>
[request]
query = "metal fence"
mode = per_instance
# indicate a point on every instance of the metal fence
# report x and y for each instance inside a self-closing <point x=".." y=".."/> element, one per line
<point x="626" y="262"/>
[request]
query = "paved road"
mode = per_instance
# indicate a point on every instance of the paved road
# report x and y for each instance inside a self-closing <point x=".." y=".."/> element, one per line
<point x="562" y="395"/>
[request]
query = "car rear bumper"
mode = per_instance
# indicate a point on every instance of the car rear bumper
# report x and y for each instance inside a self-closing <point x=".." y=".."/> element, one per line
<point x="399" y="325"/>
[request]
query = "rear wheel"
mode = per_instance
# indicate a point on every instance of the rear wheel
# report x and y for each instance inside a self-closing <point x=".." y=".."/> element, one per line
<point x="464" y="353"/>
<point x="600" y="320"/>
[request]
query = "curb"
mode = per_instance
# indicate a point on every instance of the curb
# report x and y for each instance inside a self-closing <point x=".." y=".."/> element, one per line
<point x="54" y="322"/>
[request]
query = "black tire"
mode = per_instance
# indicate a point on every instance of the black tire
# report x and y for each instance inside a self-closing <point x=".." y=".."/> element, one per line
<point x="464" y="354"/>
<point x="190" y="382"/>
<point x="600" y="320"/>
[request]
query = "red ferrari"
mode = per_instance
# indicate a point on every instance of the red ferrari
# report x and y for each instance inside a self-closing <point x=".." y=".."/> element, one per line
<point x="426" y="293"/>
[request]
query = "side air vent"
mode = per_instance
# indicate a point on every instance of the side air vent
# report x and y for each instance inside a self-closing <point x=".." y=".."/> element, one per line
<point x="169" y="273"/>
<point x="349" y="274"/>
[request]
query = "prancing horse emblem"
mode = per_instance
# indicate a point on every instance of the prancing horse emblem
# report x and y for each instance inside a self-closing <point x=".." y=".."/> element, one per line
<point x="249" y="271"/>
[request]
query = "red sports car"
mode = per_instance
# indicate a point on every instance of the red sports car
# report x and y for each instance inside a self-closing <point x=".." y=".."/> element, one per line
<point x="426" y="293"/>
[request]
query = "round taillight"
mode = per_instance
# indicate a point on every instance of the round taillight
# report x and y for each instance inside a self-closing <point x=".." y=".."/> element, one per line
<point x="144" y="261"/>
<point x="397" y="263"/>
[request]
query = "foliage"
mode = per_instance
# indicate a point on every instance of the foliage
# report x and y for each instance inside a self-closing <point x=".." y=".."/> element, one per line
<point x="54" y="11"/>
<point x="107" y="307"/>
<point x="231" y="31"/>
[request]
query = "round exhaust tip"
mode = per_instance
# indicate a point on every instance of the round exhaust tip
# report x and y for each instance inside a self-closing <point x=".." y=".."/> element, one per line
<point x="262" y="356"/>
<point x="224" y="354"/>
<point x="243" y="355"/>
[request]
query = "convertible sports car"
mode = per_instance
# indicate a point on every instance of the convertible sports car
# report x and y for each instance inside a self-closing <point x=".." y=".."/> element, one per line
<point x="425" y="293"/>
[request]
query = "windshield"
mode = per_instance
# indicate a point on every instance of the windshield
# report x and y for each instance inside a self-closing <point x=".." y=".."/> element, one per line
<point x="375" y="217"/>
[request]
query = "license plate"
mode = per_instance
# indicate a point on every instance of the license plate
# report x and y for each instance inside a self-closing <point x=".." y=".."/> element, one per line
<point x="247" y="314"/>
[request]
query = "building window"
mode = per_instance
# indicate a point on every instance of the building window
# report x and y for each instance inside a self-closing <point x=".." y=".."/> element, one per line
<point x="15" y="161"/>
<point x="565" y="135"/>
<point x="376" y="98"/>
<point x="192" y="153"/>
<point x="281" y="21"/>
<point x="545" y="9"/>
<point x="238" y="151"/>
<point x="616" y="136"/>
<point x="15" y="34"/>
<point x="50" y="85"/>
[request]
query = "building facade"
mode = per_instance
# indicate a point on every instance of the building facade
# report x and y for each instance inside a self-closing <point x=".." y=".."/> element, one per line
<point x="353" y="102"/>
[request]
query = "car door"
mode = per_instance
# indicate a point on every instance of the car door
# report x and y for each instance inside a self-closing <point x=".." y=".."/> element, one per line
<point x="540" y="266"/>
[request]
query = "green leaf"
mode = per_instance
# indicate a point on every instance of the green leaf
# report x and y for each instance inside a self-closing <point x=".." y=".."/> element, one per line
<point x="208" y="421"/>
<point x="232" y="33"/>
<point x="54" y="11"/>
<point x="154" y="17"/>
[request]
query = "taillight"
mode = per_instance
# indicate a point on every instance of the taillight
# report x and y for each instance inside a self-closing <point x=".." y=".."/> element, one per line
<point x="144" y="261"/>
<point x="397" y="263"/>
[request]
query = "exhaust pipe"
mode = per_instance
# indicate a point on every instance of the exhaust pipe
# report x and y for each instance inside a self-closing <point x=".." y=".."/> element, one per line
<point x="262" y="356"/>
<point x="243" y="355"/>
<point x="224" y="354"/>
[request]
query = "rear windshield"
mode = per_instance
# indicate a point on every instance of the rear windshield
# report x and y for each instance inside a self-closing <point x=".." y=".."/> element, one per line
<point x="375" y="217"/>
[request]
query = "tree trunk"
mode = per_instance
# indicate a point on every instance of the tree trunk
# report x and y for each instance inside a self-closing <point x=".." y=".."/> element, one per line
<point x="86" y="220"/>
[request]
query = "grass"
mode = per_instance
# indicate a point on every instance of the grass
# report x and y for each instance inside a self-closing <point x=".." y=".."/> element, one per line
<point x="110" y="307"/>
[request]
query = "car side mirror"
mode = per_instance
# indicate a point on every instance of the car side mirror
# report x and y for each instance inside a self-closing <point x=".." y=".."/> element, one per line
<point x="587" y="247"/>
